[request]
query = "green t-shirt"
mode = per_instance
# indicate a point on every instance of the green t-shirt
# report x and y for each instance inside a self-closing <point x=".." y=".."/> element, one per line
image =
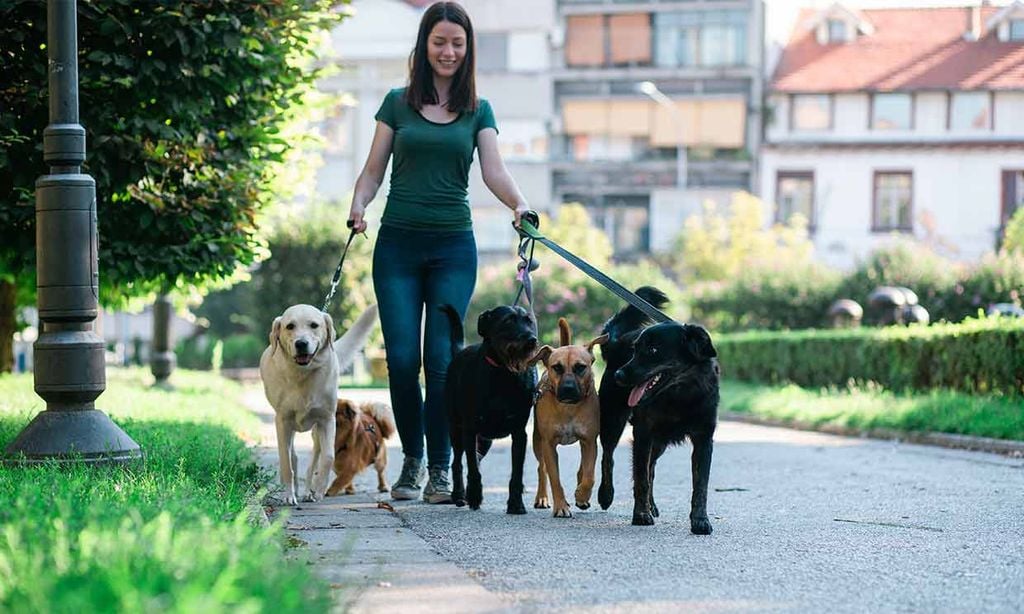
<point x="430" y="169"/>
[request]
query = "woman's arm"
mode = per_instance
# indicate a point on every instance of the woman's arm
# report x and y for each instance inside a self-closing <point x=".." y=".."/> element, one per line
<point x="496" y="176"/>
<point x="372" y="175"/>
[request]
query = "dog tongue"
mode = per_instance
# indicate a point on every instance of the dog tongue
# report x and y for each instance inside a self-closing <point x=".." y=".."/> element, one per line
<point x="304" y="359"/>
<point x="636" y="394"/>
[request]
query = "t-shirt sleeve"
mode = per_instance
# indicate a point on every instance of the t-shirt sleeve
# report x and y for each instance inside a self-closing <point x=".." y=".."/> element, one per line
<point x="386" y="112"/>
<point x="485" y="116"/>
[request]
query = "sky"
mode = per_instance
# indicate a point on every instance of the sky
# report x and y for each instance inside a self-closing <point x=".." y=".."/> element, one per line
<point x="780" y="15"/>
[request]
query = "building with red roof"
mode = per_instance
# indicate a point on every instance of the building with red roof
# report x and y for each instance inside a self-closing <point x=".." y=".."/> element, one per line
<point x="903" y="121"/>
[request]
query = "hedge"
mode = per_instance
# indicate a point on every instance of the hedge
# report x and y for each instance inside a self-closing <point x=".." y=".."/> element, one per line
<point x="983" y="355"/>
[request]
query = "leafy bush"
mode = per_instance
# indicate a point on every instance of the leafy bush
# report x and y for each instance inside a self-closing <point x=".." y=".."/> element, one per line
<point x="979" y="356"/>
<point x="1013" y="237"/>
<point x="195" y="353"/>
<point x="242" y="351"/>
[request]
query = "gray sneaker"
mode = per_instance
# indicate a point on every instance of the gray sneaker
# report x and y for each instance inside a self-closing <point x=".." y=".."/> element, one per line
<point x="410" y="482"/>
<point x="438" y="488"/>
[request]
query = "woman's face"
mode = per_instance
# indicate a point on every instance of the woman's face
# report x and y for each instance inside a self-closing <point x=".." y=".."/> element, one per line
<point x="446" y="48"/>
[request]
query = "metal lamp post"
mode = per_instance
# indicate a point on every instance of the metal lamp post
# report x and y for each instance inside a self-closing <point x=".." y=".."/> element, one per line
<point x="69" y="356"/>
<point x="651" y="90"/>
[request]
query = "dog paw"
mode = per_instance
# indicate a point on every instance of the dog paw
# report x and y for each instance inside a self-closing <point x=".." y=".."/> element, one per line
<point x="700" y="526"/>
<point x="541" y="503"/>
<point x="289" y="499"/>
<point x="654" y="510"/>
<point x="562" y="511"/>
<point x="583" y="505"/>
<point x="383" y="487"/>
<point x="312" y="496"/>
<point x="351" y="490"/>
<point x="475" y="496"/>
<point x="605" y="496"/>
<point x="643" y="519"/>
<point x="459" y="501"/>
<point x="515" y="507"/>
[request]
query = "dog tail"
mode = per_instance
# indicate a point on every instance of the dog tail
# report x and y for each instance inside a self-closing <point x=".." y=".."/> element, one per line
<point x="564" y="332"/>
<point x="385" y="418"/>
<point x="630" y="318"/>
<point x="355" y="338"/>
<point x="458" y="336"/>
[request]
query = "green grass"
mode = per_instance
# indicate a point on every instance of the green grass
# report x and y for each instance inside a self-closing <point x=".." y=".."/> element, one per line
<point x="871" y="407"/>
<point x="171" y="534"/>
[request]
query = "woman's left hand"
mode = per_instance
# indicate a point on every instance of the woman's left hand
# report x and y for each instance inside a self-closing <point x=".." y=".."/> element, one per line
<point x="518" y="213"/>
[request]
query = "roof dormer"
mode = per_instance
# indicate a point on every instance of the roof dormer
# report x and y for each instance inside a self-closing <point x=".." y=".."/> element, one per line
<point x="838" y="24"/>
<point x="1008" y="23"/>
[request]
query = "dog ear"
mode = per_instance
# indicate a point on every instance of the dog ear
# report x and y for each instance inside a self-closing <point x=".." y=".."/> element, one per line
<point x="699" y="342"/>
<point x="331" y="334"/>
<point x="564" y="332"/>
<point x="275" y="335"/>
<point x="542" y="355"/>
<point x="598" y="341"/>
<point x="485" y="322"/>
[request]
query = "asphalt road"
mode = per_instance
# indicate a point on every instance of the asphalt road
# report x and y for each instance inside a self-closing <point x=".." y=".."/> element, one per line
<point x="802" y="522"/>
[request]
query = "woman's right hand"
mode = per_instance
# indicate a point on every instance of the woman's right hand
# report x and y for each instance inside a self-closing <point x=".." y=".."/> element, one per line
<point x="355" y="218"/>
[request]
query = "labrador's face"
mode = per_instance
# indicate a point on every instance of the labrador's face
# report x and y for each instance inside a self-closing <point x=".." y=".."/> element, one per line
<point x="302" y="331"/>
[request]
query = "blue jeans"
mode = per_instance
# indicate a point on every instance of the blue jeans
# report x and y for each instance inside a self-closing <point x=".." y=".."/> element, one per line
<point x="413" y="269"/>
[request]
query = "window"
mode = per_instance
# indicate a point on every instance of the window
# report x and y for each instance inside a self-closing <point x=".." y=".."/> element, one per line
<point x="625" y="222"/>
<point x="491" y="51"/>
<point x="629" y="38"/>
<point x="794" y="194"/>
<point x="892" y="111"/>
<point x="1013" y="195"/>
<point x="1017" y="30"/>
<point x="584" y="40"/>
<point x="836" y="31"/>
<point x="700" y="38"/>
<point x="811" y="112"/>
<point x="893" y="201"/>
<point x="970" y="111"/>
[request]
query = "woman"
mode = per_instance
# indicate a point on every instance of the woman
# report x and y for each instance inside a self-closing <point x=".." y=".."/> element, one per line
<point x="425" y="255"/>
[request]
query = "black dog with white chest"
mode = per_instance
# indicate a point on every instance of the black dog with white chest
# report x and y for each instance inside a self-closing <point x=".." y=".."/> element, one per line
<point x="489" y="393"/>
<point x="673" y="381"/>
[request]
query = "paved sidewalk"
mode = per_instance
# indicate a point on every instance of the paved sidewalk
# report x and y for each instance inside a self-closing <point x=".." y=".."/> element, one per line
<point x="360" y="544"/>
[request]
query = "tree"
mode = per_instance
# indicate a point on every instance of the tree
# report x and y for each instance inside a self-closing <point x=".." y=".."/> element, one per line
<point x="183" y="102"/>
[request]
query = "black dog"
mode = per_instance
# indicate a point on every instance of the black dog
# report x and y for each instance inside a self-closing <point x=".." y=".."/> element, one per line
<point x="622" y="329"/>
<point x="489" y="393"/>
<point x="673" y="377"/>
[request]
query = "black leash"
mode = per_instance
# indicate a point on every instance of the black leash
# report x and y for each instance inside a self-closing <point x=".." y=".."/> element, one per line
<point x="528" y="224"/>
<point x="337" y="271"/>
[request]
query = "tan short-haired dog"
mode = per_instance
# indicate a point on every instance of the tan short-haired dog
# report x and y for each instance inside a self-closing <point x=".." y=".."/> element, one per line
<point x="567" y="411"/>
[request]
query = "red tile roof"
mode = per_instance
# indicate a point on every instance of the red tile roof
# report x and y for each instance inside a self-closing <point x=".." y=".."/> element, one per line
<point x="910" y="49"/>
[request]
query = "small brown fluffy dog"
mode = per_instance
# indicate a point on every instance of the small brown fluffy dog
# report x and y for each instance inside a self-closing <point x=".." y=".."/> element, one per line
<point x="360" y="438"/>
<point x="567" y="411"/>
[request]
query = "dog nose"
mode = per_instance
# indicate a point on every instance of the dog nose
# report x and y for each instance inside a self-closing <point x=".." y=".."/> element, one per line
<point x="620" y="377"/>
<point x="302" y="346"/>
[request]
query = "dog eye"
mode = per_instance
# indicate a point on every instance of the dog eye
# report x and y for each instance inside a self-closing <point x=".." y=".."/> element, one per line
<point x="314" y="325"/>
<point x="559" y="369"/>
<point x="579" y="369"/>
<point x="291" y="326"/>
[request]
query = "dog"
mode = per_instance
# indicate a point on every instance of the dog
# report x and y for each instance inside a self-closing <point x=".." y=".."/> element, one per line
<point x="361" y="433"/>
<point x="567" y="411"/>
<point x="489" y="394"/>
<point x="622" y="329"/>
<point x="300" y="380"/>
<point x="673" y="379"/>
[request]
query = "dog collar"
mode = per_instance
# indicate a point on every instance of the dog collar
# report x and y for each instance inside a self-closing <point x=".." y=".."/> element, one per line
<point x="491" y="361"/>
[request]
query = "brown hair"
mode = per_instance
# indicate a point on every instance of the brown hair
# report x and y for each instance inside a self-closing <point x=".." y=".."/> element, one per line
<point x="420" y="91"/>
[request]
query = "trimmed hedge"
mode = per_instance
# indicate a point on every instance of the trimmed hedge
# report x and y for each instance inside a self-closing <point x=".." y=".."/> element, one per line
<point x="977" y="356"/>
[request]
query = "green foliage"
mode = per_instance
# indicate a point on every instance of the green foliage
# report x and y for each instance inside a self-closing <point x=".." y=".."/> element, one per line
<point x="304" y="251"/>
<point x="1013" y="237"/>
<point x="977" y="356"/>
<point x="171" y="534"/>
<point x="716" y="247"/>
<point x="241" y="351"/>
<point x="868" y="407"/>
<point x="195" y="353"/>
<point x="562" y="290"/>
<point x="184" y="102"/>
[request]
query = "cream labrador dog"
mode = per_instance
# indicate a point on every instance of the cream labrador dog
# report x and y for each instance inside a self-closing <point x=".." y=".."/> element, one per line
<point x="300" y="379"/>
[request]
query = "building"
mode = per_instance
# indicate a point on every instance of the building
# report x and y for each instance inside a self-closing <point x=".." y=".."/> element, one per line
<point x="899" y="122"/>
<point x="657" y="109"/>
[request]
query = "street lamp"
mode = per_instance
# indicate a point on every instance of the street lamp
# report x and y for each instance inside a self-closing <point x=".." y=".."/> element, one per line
<point x="68" y="355"/>
<point x="648" y="88"/>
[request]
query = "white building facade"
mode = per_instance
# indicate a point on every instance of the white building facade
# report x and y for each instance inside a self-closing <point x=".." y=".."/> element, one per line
<point x="899" y="122"/>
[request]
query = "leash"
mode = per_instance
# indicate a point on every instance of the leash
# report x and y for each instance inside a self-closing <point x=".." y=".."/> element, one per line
<point x="528" y="231"/>
<point x="337" y="271"/>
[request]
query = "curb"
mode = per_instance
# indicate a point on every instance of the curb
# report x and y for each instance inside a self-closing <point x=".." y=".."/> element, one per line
<point x="1005" y="447"/>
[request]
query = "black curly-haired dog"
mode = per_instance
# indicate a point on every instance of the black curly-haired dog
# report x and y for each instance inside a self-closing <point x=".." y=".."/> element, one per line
<point x="673" y="381"/>
<point x="622" y="329"/>
<point x="489" y="393"/>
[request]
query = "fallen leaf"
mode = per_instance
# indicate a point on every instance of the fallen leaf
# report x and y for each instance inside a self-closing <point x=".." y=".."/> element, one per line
<point x="384" y="505"/>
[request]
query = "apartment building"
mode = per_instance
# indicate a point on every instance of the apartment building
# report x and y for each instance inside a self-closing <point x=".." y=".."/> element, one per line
<point x="657" y="109"/>
<point x="899" y="122"/>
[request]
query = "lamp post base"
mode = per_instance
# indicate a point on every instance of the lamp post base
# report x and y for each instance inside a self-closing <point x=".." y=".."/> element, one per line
<point x="79" y="436"/>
